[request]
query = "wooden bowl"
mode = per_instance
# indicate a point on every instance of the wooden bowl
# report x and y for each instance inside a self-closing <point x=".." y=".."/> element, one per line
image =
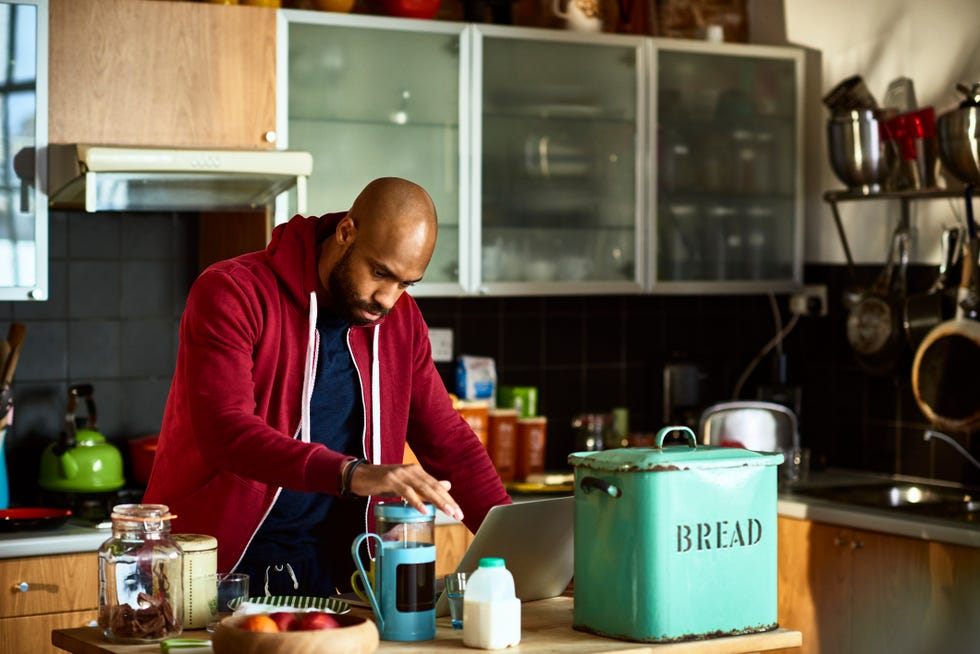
<point x="356" y="636"/>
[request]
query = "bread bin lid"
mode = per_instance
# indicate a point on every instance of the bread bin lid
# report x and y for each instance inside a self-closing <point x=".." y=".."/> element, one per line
<point x="673" y="457"/>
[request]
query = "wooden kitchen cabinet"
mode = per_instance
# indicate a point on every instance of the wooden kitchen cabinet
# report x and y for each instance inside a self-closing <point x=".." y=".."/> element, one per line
<point x="43" y="593"/>
<point x="451" y="544"/>
<point x="862" y="592"/>
<point x="142" y="72"/>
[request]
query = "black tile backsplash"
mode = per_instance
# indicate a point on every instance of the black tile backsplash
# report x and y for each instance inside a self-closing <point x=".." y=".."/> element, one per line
<point x="118" y="284"/>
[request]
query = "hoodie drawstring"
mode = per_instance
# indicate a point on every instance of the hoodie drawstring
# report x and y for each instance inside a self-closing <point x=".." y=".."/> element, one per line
<point x="279" y="568"/>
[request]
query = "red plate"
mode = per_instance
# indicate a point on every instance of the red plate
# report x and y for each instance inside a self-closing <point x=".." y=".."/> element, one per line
<point x="27" y="518"/>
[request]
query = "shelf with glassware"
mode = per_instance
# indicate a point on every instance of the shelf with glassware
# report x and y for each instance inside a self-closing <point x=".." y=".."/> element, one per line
<point x="727" y="186"/>
<point x="363" y="114"/>
<point x="542" y="177"/>
<point x="560" y="161"/>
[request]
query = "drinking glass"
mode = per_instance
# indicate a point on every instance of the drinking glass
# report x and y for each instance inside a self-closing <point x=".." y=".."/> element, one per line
<point x="232" y="591"/>
<point x="455" y="586"/>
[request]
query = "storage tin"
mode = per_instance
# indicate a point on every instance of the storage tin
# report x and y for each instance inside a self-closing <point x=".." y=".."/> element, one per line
<point x="675" y="543"/>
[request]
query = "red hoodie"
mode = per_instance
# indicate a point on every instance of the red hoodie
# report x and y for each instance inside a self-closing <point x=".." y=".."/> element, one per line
<point x="236" y="428"/>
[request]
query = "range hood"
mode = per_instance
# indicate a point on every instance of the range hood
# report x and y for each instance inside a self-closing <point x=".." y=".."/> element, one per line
<point x="122" y="178"/>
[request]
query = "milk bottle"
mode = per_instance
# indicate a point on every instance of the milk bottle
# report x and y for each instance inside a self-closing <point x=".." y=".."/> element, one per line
<point x="491" y="611"/>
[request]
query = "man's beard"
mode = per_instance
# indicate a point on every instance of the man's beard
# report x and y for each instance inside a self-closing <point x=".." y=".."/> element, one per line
<point x="344" y="299"/>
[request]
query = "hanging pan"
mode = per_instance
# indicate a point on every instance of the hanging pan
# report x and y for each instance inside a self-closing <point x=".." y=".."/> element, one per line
<point x="874" y="321"/>
<point x="947" y="362"/>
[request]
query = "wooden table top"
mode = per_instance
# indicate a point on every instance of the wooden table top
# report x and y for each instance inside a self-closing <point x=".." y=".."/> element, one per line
<point x="546" y="626"/>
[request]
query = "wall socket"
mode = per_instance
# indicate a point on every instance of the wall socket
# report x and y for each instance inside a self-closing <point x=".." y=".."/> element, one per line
<point x="441" y="340"/>
<point x="809" y="301"/>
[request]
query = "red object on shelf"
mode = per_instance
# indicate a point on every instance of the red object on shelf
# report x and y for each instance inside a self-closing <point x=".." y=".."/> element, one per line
<point x="412" y="8"/>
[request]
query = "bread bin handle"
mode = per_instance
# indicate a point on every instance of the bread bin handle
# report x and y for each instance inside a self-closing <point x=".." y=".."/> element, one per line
<point x="692" y="440"/>
<point x="588" y="483"/>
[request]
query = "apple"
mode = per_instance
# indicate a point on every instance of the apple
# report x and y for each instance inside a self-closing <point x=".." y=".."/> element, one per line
<point x="314" y="620"/>
<point x="284" y="619"/>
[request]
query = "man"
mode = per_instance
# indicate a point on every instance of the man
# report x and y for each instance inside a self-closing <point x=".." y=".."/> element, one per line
<point x="301" y="372"/>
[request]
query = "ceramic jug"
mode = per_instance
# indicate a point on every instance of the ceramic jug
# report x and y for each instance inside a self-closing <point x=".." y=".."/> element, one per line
<point x="580" y="15"/>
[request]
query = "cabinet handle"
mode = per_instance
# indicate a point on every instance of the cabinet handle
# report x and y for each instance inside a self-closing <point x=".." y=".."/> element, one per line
<point x="270" y="136"/>
<point x="839" y="541"/>
<point x="856" y="545"/>
<point x="22" y="587"/>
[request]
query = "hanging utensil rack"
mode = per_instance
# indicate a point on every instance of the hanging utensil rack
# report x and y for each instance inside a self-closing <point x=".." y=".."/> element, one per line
<point x="905" y="197"/>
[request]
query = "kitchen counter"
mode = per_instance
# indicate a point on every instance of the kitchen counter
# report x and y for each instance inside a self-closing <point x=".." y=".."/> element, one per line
<point x="546" y="626"/>
<point x="69" y="538"/>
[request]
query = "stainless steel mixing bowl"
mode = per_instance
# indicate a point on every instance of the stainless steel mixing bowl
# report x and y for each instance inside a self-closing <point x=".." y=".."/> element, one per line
<point x="959" y="143"/>
<point x="860" y="154"/>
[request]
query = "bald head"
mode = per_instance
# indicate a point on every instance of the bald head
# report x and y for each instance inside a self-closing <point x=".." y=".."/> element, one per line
<point x="381" y="247"/>
<point x="395" y="210"/>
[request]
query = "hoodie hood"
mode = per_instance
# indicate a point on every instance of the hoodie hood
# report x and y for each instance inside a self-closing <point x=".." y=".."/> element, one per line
<point x="292" y="242"/>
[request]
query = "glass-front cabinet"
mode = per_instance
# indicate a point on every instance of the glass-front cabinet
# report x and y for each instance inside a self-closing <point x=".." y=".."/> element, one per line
<point x="375" y="97"/>
<point x="726" y="147"/>
<point x="23" y="140"/>
<point x="558" y="181"/>
<point x="559" y="161"/>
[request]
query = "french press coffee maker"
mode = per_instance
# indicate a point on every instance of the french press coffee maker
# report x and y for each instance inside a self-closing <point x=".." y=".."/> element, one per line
<point x="402" y="593"/>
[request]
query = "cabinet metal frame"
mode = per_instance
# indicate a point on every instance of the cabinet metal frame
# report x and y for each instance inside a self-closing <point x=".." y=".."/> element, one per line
<point x="38" y="290"/>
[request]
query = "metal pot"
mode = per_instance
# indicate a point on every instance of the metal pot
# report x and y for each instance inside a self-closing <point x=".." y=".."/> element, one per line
<point x="81" y="461"/>
<point x="959" y="137"/>
<point x="861" y="154"/>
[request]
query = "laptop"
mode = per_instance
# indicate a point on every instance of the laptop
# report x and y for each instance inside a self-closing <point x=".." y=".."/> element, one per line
<point x="535" y="538"/>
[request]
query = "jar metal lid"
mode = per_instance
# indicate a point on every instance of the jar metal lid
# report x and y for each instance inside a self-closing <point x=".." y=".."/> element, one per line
<point x="141" y="512"/>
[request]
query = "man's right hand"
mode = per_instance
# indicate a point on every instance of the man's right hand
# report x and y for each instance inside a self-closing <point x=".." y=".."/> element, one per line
<point x="410" y="482"/>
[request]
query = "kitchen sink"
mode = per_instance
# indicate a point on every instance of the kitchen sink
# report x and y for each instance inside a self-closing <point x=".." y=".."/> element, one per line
<point x="951" y="503"/>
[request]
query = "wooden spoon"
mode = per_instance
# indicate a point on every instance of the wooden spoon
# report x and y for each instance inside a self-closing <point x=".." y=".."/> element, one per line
<point x="15" y="340"/>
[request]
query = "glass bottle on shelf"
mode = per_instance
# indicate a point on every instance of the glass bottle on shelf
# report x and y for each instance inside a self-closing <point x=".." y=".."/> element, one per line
<point x="140" y="576"/>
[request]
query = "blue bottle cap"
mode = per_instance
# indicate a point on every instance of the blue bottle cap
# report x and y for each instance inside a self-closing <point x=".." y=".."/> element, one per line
<point x="492" y="562"/>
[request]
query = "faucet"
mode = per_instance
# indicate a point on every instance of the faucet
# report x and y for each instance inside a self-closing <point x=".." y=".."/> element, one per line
<point x="962" y="450"/>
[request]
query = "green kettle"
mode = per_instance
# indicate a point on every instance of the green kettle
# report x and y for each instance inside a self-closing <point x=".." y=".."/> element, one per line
<point x="81" y="461"/>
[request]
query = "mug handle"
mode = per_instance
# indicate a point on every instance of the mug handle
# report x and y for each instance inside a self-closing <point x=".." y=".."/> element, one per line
<point x="372" y="596"/>
<point x="358" y="582"/>
<point x="556" y="6"/>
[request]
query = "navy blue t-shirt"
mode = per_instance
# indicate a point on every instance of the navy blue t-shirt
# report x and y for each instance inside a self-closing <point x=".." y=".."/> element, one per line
<point x="311" y="531"/>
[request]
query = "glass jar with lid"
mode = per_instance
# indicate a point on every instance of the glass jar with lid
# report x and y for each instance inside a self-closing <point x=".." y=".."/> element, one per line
<point x="140" y="576"/>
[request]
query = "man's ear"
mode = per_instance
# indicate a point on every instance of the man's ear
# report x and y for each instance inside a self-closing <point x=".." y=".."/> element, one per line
<point x="346" y="230"/>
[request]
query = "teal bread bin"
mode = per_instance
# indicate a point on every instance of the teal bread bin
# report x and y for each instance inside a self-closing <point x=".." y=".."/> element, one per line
<point x="675" y="543"/>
